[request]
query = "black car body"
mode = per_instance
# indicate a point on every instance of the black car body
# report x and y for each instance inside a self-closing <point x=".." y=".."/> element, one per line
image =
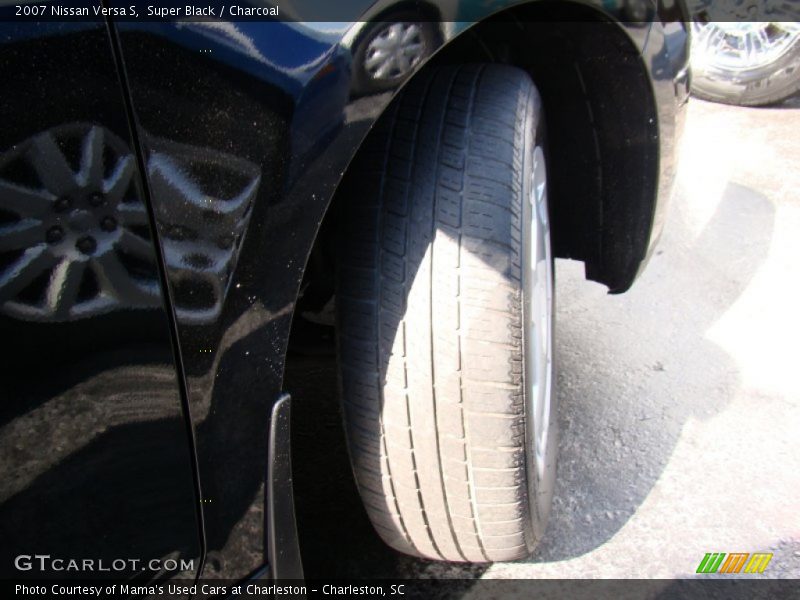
<point x="167" y="188"/>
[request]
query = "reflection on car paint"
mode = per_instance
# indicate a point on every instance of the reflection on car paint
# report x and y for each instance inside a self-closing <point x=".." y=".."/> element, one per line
<point x="205" y="201"/>
<point x="74" y="240"/>
<point x="94" y="452"/>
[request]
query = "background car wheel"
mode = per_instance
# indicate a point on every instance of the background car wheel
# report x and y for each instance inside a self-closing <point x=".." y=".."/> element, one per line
<point x="750" y="63"/>
<point x="388" y="52"/>
<point x="445" y="309"/>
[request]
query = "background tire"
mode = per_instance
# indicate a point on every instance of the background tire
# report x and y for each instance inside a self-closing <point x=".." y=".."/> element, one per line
<point x="441" y="235"/>
<point x="723" y="72"/>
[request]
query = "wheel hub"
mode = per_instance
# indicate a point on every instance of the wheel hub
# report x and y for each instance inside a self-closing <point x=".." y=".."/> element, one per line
<point x="539" y="335"/>
<point x="394" y="52"/>
<point x="84" y="224"/>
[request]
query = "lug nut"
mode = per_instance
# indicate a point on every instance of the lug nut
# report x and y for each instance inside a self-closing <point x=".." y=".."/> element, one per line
<point x="87" y="245"/>
<point x="63" y="204"/>
<point x="96" y="199"/>
<point x="54" y="235"/>
<point x="108" y="224"/>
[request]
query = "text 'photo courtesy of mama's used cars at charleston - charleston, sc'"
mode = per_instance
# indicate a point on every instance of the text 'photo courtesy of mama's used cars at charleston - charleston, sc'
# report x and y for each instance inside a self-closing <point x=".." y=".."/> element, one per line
<point x="205" y="206"/>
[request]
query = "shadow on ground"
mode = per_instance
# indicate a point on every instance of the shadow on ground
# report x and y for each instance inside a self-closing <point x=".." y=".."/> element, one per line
<point x="634" y="369"/>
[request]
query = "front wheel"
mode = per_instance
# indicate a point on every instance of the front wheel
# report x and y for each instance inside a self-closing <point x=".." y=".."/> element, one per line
<point x="445" y="307"/>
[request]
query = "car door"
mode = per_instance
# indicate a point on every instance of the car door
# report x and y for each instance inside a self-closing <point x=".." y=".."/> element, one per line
<point x="214" y="104"/>
<point x="96" y="463"/>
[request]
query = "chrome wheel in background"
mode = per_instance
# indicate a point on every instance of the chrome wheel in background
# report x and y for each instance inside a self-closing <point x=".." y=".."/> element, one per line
<point x="747" y="63"/>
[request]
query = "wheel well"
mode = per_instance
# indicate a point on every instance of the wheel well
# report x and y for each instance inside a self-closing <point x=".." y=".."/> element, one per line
<point x="425" y="10"/>
<point x="602" y="130"/>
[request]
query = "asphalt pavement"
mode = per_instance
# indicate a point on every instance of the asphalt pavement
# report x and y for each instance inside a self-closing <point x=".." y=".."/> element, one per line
<point x="679" y="400"/>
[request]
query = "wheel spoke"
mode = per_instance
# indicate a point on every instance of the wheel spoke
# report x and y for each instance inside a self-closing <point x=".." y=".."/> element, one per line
<point x="23" y="201"/>
<point x="133" y="244"/>
<point x="386" y="67"/>
<point x="409" y="34"/>
<point x="412" y="50"/>
<point x="21" y="273"/>
<point x="22" y="234"/>
<point x="117" y="184"/>
<point x="382" y="42"/>
<point x="65" y="283"/>
<point x="92" y="158"/>
<point x="402" y="62"/>
<point x="112" y="275"/>
<point x="51" y="165"/>
<point x="116" y="282"/>
<point x="375" y="59"/>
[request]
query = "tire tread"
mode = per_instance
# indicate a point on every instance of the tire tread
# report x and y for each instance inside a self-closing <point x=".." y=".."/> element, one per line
<point x="439" y="456"/>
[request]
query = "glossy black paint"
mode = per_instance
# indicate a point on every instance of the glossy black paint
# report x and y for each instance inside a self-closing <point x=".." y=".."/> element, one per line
<point x="246" y="130"/>
<point x="94" y="452"/>
<point x="227" y="306"/>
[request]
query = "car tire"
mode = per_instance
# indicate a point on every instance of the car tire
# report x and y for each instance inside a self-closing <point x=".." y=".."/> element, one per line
<point x="445" y="318"/>
<point x="717" y="78"/>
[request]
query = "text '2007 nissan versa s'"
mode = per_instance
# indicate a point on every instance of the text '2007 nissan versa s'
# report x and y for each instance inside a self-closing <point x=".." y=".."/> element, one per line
<point x="178" y="193"/>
